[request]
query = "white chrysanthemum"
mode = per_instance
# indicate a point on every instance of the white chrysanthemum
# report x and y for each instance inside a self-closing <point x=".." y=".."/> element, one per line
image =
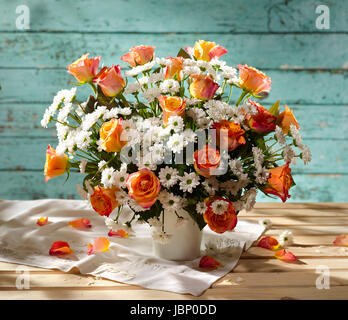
<point x="168" y="176"/>
<point x="112" y="224"/>
<point x="139" y="69"/>
<point x="266" y="222"/>
<point x="286" y="238"/>
<point x="219" y="206"/>
<point x="135" y="206"/>
<point x="192" y="101"/>
<point x="108" y="177"/>
<point x="101" y="164"/>
<point x="157" y="152"/>
<point x="154" y="222"/>
<point x="161" y="61"/>
<point x="176" y="143"/>
<point x="132" y="88"/>
<point x="82" y="166"/>
<point x="192" y="70"/>
<point x="161" y="237"/>
<point x="280" y="135"/>
<point x="250" y="109"/>
<point x="201" y="207"/>
<point x="122" y="197"/>
<point x="229" y="73"/>
<point x="169" y="201"/>
<point x="216" y="109"/>
<point x="176" y="123"/>
<point x="147" y="162"/>
<point x="120" y="178"/>
<point x="157" y="77"/>
<point x="170" y="86"/>
<point x="250" y="199"/>
<point x="151" y="94"/>
<point x="306" y="154"/>
<point x="90" y="119"/>
<point x="211" y="185"/>
<point x="237" y="168"/>
<point x="289" y="155"/>
<point x="189" y="181"/>
<point x="189" y="136"/>
<point x="296" y="135"/>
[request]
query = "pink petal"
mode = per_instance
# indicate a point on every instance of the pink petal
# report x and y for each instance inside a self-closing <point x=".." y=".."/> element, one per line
<point x="80" y="224"/>
<point x="100" y="244"/>
<point x="208" y="262"/>
<point x="119" y="233"/>
<point x="341" y="240"/>
<point x="42" y="221"/>
<point x="268" y="242"/>
<point x="285" y="255"/>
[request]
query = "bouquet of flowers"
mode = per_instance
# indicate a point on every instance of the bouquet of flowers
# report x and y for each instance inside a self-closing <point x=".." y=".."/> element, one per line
<point x="180" y="135"/>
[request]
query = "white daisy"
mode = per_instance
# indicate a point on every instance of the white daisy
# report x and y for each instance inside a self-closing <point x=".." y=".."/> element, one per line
<point x="211" y="185"/>
<point x="176" y="143"/>
<point x="108" y="177"/>
<point x="266" y="222"/>
<point x="201" y="207"/>
<point x="189" y="181"/>
<point x="168" y="176"/>
<point x="286" y="239"/>
<point x="219" y="206"/>
<point x="161" y="237"/>
<point x="176" y="123"/>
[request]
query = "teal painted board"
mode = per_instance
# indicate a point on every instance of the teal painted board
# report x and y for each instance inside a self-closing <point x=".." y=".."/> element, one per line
<point x="175" y="15"/>
<point x="31" y="185"/>
<point x="317" y="121"/>
<point x="289" y="86"/>
<point x="329" y="156"/>
<point x="264" y="51"/>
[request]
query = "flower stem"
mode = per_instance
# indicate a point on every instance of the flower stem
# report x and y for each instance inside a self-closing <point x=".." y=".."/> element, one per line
<point x="241" y="97"/>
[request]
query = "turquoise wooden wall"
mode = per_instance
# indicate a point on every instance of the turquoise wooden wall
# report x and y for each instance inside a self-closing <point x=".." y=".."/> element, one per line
<point x="309" y="69"/>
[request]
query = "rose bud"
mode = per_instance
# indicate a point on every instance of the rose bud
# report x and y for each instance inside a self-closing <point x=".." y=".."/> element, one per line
<point x="103" y="200"/>
<point x="111" y="135"/>
<point x="143" y="187"/>
<point x="220" y="214"/>
<point x="206" y="50"/>
<point x="286" y="119"/>
<point x="84" y="69"/>
<point x="253" y="80"/>
<point x="139" y="55"/>
<point x="206" y="161"/>
<point x="279" y="182"/>
<point x="110" y="81"/>
<point x="172" y="106"/>
<point x="174" y="68"/>
<point x="203" y="87"/>
<point x="263" y="121"/>
<point x="229" y="133"/>
<point x="55" y="164"/>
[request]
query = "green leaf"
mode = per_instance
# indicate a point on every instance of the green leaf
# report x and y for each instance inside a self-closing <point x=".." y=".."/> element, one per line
<point x="274" y="110"/>
<point x="183" y="53"/>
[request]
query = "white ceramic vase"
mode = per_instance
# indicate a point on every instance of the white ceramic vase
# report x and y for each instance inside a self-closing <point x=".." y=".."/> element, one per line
<point x="184" y="241"/>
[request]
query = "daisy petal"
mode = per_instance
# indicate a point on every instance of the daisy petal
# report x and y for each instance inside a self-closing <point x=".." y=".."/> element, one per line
<point x="285" y="255"/>
<point x="60" y="248"/>
<point x="268" y="242"/>
<point x="341" y="240"/>
<point x="42" y="221"/>
<point x="208" y="262"/>
<point x="119" y="233"/>
<point x="100" y="244"/>
<point x="80" y="224"/>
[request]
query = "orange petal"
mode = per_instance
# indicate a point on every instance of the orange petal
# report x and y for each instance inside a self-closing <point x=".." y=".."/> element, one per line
<point x="80" y="224"/>
<point x="341" y="240"/>
<point x="208" y="262"/>
<point x="285" y="255"/>
<point x="100" y="244"/>
<point x="268" y="243"/>
<point x="60" y="248"/>
<point x="119" y="233"/>
<point x="42" y="221"/>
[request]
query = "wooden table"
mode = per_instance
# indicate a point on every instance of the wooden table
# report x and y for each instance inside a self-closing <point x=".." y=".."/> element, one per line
<point x="258" y="274"/>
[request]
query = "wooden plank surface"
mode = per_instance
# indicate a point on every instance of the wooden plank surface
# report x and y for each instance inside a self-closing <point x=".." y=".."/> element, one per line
<point x="258" y="275"/>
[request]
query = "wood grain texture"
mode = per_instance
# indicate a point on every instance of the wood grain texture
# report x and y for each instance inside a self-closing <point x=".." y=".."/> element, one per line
<point x="258" y="275"/>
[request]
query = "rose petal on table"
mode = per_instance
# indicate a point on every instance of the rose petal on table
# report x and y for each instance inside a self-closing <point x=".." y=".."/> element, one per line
<point x="268" y="242"/>
<point x="208" y="262"/>
<point x="119" y="233"/>
<point x="80" y="224"/>
<point x="285" y="255"/>
<point x="341" y="240"/>
<point x="42" y="221"/>
<point x="60" y="248"/>
<point x="100" y="244"/>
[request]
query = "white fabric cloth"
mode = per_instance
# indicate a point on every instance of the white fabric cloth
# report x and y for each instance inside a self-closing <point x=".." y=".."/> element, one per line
<point x="129" y="260"/>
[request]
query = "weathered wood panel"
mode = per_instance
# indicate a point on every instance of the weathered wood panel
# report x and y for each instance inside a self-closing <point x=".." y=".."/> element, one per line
<point x="291" y="87"/>
<point x="329" y="156"/>
<point x="265" y="51"/>
<point x="176" y="16"/>
<point x="28" y="185"/>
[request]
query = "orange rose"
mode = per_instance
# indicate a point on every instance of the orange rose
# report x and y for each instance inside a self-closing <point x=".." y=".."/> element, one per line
<point x="203" y="87"/>
<point x="286" y="119"/>
<point x="220" y="219"/>
<point x="253" y="80"/>
<point x="139" y="55"/>
<point x="84" y="69"/>
<point x="111" y="135"/>
<point x="143" y="187"/>
<point x="206" y="161"/>
<point x="263" y="121"/>
<point x="55" y="164"/>
<point x="104" y="200"/>
<point x="206" y="50"/>
<point x="172" y="106"/>
<point x="174" y="68"/>
<point x="229" y="134"/>
<point x="279" y="182"/>
<point x="110" y="81"/>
